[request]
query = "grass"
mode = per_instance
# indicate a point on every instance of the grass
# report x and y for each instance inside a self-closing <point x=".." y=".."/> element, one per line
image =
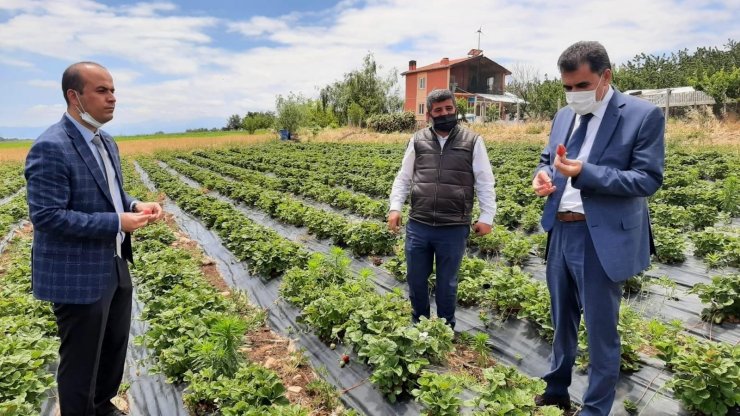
<point x="16" y="150"/>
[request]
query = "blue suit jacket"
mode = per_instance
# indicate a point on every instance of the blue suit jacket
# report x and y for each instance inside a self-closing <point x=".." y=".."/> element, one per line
<point x="75" y="223"/>
<point x="625" y="166"/>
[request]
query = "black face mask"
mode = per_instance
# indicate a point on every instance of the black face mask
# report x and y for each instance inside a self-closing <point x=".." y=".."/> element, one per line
<point x="445" y="123"/>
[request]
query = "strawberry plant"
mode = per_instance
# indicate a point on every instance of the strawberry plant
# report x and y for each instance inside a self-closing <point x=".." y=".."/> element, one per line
<point x="703" y="216"/>
<point x="438" y="394"/>
<point x="707" y="377"/>
<point x="670" y="216"/>
<point x="397" y="358"/>
<point x="516" y="251"/>
<point x="28" y="343"/>
<point x="730" y="201"/>
<point x="506" y="392"/>
<point x="370" y="238"/>
<point x="251" y="388"/>
<point x="723" y="297"/>
<point x="670" y="245"/>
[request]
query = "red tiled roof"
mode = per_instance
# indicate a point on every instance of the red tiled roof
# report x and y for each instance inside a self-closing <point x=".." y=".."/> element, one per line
<point x="439" y="65"/>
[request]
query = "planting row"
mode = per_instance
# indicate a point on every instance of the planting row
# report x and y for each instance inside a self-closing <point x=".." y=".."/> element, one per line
<point x="339" y="198"/>
<point x="630" y="322"/>
<point x="28" y="342"/>
<point x="381" y="320"/>
<point x="11" y="178"/>
<point x="363" y="237"/>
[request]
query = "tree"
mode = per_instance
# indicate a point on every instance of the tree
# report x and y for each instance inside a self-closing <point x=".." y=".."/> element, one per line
<point x="365" y="87"/>
<point x="234" y="122"/>
<point x="291" y="112"/>
<point x="677" y="69"/>
<point x="462" y="105"/>
<point x="355" y="114"/>
<point x="547" y="98"/>
<point x="254" y="121"/>
<point x="523" y="83"/>
<point x="722" y="85"/>
<point x="318" y="117"/>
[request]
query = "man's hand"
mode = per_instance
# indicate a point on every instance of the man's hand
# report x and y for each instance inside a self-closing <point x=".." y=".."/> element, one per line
<point x="131" y="221"/>
<point x="394" y="221"/>
<point x="542" y="184"/>
<point x="568" y="167"/>
<point x="152" y="210"/>
<point x="481" y="228"/>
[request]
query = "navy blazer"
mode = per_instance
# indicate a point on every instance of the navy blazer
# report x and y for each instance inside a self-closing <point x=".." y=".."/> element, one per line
<point x="75" y="223"/>
<point x="624" y="168"/>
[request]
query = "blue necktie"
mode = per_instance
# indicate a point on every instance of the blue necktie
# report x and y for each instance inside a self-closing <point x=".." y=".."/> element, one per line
<point x="573" y="146"/>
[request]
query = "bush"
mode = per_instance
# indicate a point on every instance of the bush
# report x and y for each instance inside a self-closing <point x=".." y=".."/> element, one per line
<point x="394" y="122"/>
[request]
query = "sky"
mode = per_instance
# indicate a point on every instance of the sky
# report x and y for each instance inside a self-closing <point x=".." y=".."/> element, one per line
<point x="190" y="64"/>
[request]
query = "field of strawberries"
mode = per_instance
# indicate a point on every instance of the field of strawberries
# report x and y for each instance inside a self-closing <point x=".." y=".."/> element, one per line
<point x="274" y="288"/>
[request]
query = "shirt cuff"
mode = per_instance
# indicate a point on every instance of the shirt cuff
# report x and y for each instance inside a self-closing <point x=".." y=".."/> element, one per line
<point x="486" y="219"/>
<point x="131" y="208"/>
<point x="396" y="207"/>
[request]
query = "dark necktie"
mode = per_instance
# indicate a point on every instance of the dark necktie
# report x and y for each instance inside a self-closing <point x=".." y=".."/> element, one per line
<point x="573" y="146"/>
<point x="575" y="142"/>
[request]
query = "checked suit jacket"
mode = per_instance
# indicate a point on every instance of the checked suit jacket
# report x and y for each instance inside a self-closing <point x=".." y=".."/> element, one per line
<point x="74" y="219"/>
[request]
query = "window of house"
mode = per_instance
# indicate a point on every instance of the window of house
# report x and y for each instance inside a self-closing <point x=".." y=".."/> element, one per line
<point x="421" y="108"/>
<point x="422" y="83"/>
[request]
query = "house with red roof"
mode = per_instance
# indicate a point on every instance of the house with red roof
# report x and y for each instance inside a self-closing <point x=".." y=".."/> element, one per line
<point x="476" y="78"/>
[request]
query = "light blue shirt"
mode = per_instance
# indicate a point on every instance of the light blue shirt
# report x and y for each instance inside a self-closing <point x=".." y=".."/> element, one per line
<point x="88" y="136"/>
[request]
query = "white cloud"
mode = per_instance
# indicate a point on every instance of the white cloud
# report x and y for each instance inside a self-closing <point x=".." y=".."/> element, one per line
<point x="20" y="63"/>
<point x="44" y="83"/>
<point x="170" y="66"/>
<point x="149" y="9"/>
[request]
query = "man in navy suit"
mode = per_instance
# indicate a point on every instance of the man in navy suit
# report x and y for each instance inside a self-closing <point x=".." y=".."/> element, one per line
<point x="82" y="222"/>
<point x="596" y="216"/>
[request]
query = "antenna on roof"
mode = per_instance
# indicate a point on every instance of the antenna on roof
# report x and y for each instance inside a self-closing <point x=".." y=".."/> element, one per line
<point x="479" y="32"/>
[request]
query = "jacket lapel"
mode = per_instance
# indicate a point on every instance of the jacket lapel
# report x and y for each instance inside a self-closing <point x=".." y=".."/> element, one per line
<point x="562" y="128"/>
<point x="86" y="154"/>
<point x="608" y="125"/>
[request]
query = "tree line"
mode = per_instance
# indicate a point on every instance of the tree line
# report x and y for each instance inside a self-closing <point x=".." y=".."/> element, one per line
<point x="367" y="97"/>
<point x="711" y="69"/>
<point x="362" y="93"/>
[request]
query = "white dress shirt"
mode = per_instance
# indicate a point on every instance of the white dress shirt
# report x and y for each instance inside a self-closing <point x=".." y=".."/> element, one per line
<point x="484" y="180"/>
<point x="571" y="200"/>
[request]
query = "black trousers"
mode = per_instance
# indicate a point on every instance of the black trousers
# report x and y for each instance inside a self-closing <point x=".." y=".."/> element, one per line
<point x="92" y="354"/>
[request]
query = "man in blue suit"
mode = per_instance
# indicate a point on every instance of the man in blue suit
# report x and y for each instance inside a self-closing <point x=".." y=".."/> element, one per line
<point x="82" y="222"/>
<point x="596" y="216"/>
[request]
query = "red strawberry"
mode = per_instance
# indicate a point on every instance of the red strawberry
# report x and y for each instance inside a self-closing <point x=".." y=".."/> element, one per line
<point x="345" y="358"/>
<point x="146" y="211"/>
<point x="561" y="150"/>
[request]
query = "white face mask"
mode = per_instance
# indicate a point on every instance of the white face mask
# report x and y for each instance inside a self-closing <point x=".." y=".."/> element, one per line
<point x="583" y="102"/>
<point x="86" y="117"/>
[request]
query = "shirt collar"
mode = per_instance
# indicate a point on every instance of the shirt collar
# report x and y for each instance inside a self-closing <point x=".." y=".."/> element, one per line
<point x="84" y="131"/>
<point x="599" y="113"/>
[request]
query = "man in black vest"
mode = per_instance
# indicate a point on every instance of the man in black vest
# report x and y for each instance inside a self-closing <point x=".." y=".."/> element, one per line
<point x="443" y="167"/>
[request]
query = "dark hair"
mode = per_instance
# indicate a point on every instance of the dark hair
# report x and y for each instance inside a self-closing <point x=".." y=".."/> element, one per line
<point x="437" y="96"/>
<point x="72" y="79"/>
<point x="590" y="52"/>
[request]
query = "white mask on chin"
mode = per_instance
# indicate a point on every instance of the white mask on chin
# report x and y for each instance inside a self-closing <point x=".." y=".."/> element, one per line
<point x="583" y="102"/>
<point x="86" y="117"/>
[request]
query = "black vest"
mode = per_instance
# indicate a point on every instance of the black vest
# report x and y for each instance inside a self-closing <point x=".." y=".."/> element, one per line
<point x="442" y="187"/>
